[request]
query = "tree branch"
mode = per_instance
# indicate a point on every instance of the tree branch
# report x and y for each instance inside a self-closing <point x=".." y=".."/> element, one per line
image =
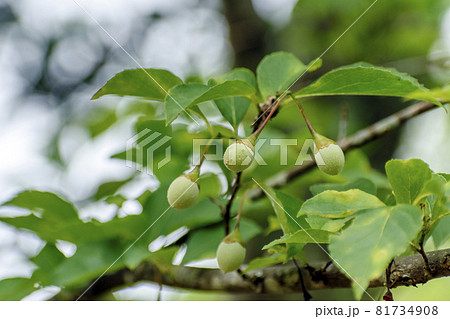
<point x="227" y="209"/>
<point x="360" y="138"/>
<point x="406" y="271"/>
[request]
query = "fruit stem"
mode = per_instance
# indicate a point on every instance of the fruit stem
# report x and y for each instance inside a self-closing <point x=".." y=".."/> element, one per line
<point x="261" y="127"/>
<point x="202" y="159"/>
<point x="238" y="219"/>
<point x="308" y="124"/>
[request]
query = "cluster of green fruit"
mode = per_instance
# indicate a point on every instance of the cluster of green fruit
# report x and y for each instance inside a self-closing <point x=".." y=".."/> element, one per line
<point x="184" y="190"/>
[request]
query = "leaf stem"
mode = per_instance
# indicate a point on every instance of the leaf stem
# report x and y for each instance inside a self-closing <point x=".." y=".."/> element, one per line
<point x="205" y="150"/>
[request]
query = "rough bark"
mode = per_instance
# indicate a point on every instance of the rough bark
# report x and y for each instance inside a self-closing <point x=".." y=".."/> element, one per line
<point x="406" y="271"/>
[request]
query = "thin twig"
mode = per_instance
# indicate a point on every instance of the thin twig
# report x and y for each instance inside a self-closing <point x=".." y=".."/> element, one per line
<point x="227" y="210"/>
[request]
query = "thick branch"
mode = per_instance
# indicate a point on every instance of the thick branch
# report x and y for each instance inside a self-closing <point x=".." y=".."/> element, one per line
<point x="360" y="138"/>
<point x="406" y="271"/>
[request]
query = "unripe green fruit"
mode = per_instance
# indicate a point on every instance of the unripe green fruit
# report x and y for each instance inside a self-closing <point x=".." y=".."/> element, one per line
<point x="239" y="155"/>
<point x="183" y="192"/>
<point x="330" y="159"/>
<point x="230" y="256"/>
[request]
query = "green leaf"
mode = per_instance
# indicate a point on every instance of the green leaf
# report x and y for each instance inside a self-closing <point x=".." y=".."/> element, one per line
<point x="434" y="186"/>
<point x="291" y="206"/>
<point x="50" y="206"/>
<point x="363" y="184"/>
<point x="209" y="185"/>
<point x="110" y="188"/>
<point x="285" y="208"/>
<point x="13" y="289"/>
<point x="46" y="261"/>
<point x="407" y="178"/>
<point x="333" y="204"/>
<point x="139" y="253"/>
<point x="441" y="233"/>
<point x="446" y="176"/>
<point x="261" y="262"/>
<point x="364" y="249"/>
<point x="152" y="84"/>
<point x="328" y="224"/>
<point x="180" y="98"/>
<point x="277" y="71"/>
<point x="89" y="261"/>
<point x="365" y="79"/>
<point x="305" y="236"/>
<point x="164" y="257"/>
<point x="100" y="120"/>
<point x="117" y="200"/>
<point x="53" y="219"/>
<point x="234" y="109"/>
<point x="226" y="89"/>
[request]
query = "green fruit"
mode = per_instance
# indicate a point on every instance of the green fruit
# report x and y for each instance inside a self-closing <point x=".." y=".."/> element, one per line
<point x="230" y="255"/>
<point x="183" y="192"/>
<point x="330" y="159"/>
<point x="239" y="155"/>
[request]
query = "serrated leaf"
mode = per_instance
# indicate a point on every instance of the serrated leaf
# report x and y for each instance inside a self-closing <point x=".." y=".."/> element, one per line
<point x="152" y="84"/>
<point x="407" y="178"/>
<point x="363" y="184"/>
<point x="234" y="109"/>
<point x="305" y="236"/>
<point x="334" y="204"/>
<point x="364" y="249"/>
<point x="180" y="98"/>
<point x="261" y="262"/>
<point x="366" y="79"/>
<point x="277" y="71"/>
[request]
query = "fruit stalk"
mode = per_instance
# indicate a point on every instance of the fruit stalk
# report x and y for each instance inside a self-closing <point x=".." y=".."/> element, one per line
<point x="308" y="124"/>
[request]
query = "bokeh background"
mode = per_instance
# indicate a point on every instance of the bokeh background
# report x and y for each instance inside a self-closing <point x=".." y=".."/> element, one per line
<point x="55" y="54"/>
